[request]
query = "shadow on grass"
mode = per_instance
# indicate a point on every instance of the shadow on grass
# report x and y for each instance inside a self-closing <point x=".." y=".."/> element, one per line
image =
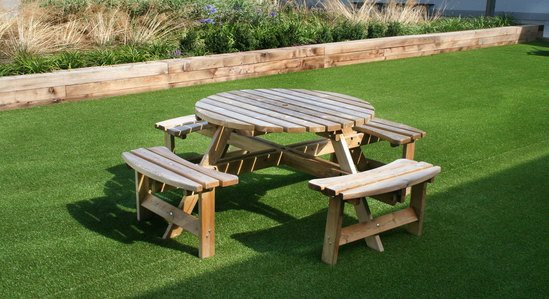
<point x="482" y="238"/>
<point x="542" y="50"/>
<point x="113" y="215"/>
<point x="539" y="52"/>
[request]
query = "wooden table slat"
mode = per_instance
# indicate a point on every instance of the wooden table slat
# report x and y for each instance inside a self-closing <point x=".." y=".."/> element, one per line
<point x="223" y="120"/>
<point x="309" y="126"/>
<point x="344" y="117"/>
<point x="328" y="100"/>
<point x="258" y="124"/>
<point x="319" y="103"/>
<point x="348" y="99"/>
<point x="305" y="111"/>
<point x="295" y="111"/>
<point x="286" y="126"/>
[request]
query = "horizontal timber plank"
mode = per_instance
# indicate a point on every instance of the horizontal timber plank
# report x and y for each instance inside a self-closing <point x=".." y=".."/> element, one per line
<point x="172" y="214"/>
<point x="29" y="96"/>
<point x="84" y="89"/>
<point x="84" y="75"/>
<point x="244" y="58"/>
<point x="377" y="225"/>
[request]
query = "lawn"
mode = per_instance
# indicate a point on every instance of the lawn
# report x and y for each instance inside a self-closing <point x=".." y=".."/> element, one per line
<point x="68" y="223"/>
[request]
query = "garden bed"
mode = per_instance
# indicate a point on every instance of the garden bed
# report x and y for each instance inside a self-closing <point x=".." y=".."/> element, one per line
<point x="39" y="89"/>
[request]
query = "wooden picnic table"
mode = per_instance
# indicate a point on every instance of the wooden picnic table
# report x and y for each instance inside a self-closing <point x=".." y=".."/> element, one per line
<point x="236" y="120"/>
<point x="239" y="117"/>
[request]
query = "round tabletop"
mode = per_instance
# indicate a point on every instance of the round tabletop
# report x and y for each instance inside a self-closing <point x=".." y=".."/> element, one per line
<point x="284" y="110"/>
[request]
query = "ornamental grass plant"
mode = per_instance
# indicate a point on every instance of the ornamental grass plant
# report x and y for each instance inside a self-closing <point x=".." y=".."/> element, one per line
<point x="46" y="35"/>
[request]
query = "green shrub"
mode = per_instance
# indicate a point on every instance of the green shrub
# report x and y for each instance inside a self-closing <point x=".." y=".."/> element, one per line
<point x="219" y="39"/>
<point x="189" y="41"/>
<point x="103" y="57"/>
<point x="267" y="36"/>
<point x="24" y="63"/>
<point x="377" y="29"/>
<point x="347" y="30"/>
<point x="70" y="60"/>
<point x="245" y="38"/>
<point x="396" y="28"/>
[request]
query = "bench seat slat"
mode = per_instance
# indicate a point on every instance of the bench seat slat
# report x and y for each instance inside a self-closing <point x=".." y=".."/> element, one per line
<point x="394" y="176"/>
<point x="398" y="125"/>
<point x="411" y="134"/>
<point x="393" y="132"/>
<point x="393" y="138"/>
<point x="182" y="130"/>
<point x="224" y="178"/>
<point x="174" y="122"/>
<point x="390" y="185"/>
<point x="158" y="173"/>
<point x="193" y="175"/>
<point x="320" y="184"/>
<point x="383" y="175"/>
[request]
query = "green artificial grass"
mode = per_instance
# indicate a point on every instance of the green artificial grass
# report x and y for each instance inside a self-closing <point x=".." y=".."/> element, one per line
<point x="68" y="223"/>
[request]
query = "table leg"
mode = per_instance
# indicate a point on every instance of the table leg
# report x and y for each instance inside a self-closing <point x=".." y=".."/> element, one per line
<point x="217" y="147"/>
<point x="346" y="163"/>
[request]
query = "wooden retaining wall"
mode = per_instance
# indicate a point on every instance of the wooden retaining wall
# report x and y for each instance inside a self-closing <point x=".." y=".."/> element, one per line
<point x="94" y="82"/>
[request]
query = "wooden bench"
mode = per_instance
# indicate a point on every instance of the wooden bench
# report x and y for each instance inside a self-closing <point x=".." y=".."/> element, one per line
<point x="158" y="169"/>
<point x="396" y="134"/>
<point x="353" y="188"/>
<point x="180" y="127"/>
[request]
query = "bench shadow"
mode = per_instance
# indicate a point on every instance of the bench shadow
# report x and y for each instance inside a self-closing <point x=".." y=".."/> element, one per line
<point x="113" y="215"/>
<point x="471" y="233"/>
<point x="542" y="48"/>
<point x="539" y="52"/>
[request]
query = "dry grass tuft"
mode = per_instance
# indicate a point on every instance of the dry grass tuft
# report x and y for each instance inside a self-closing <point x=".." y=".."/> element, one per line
<point x="349" y="11"/>
<point x="393" y="11"/>
<point x="106" y="25"/>
<point x="29" y="32"/>
<point x="71" y="34"/>
<point x="148" y="28"/>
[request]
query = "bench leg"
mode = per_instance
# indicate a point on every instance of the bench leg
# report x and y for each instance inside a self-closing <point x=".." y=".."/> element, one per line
<point x="169" y="141"/>
<point x="333" y="231"/>
<point x="206" y="216"/>
<point x="142" y="191"/>
<point x="346" y="162"/>
<point x="417" y="203"/>
<point x="408" y="150"/>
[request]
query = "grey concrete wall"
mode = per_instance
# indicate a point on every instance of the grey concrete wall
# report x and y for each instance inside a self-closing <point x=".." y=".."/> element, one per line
<point x="525" y="11"/>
